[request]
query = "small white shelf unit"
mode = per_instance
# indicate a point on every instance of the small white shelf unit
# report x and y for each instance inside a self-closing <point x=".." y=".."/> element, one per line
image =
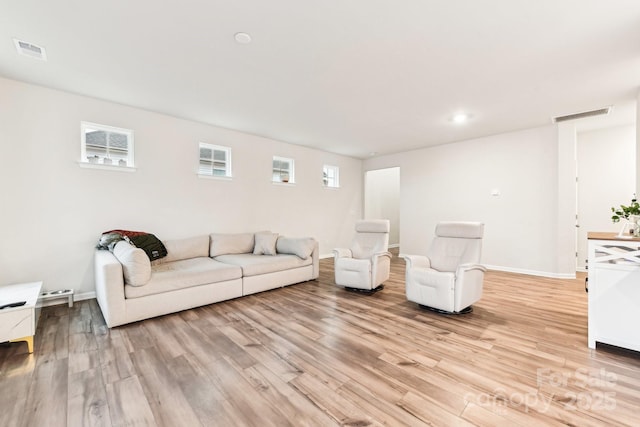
<point x="614" y="291"/>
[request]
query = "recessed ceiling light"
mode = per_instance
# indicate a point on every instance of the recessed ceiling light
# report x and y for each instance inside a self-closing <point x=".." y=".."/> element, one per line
<point x="460" y="118"/>
<point x="373" y="153"/>
<point x="243" y="38"/>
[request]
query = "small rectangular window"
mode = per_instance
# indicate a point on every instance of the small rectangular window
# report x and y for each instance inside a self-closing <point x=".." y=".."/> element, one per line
<point x="215" y="160"/>
<point x="106" y="145"/>
<point x="283" y="170"/>
<point x="331" y="176"/>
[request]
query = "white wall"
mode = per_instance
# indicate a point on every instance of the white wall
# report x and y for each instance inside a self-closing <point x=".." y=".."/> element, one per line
<point x="53" y="211"/>
<point x="455" y="181"/>
<point x="637" y="186"/>
<point x="606" y="178"/>
<point x="382" y="199"/>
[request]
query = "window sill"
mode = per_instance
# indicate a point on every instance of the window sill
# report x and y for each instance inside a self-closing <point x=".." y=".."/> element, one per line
<point x="115" y="168"/>
<point x="326" y="187"/>
<point x="214" y="177"/>
<point x="283" y="183"/>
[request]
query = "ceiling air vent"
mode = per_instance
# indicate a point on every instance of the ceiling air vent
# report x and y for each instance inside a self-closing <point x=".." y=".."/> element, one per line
<point x="600" y="112"/>
<point x="31" y="50"/>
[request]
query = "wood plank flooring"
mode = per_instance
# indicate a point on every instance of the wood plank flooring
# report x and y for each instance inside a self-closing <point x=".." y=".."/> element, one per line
<point x="315" y="355"/>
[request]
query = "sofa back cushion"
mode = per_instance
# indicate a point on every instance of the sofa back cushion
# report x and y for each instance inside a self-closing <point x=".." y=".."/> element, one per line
<point x="299" y="246"/>
<point x="136" y="266"/>
<point x="224" y="244"/>
<point x="265" y="243"/>
<point x="192" y="247"/>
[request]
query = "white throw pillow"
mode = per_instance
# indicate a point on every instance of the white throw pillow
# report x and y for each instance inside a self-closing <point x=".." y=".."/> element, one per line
<point x="265" y="243"/>
<point x="300" y="246"/>
<point x="135" y="263"/>
<point x="224" y="244"/>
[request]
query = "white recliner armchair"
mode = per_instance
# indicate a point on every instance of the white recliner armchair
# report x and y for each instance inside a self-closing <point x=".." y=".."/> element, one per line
<point x="366" y="265"/>
<point x="449" y="279"/>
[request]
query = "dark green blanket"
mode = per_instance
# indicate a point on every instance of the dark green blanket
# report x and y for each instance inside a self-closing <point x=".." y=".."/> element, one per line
<point x="149" y="243"/>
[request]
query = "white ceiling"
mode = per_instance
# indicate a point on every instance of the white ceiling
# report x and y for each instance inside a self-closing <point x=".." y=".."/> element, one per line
<point x="347" y="76"/>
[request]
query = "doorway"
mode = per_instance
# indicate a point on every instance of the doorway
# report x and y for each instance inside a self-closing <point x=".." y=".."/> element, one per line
<point x="382" y="199"/>
<point x="606" y="178"/>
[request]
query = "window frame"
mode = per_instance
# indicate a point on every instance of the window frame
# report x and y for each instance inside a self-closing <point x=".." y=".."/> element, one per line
<point x="326" y="179"/>
<point x="227" y="161"/>
<point x="291" y="171"/>
<point x="129" y="158"/>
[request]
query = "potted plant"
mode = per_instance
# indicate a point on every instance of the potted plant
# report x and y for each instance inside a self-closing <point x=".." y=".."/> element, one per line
<point x="631" y="213"/>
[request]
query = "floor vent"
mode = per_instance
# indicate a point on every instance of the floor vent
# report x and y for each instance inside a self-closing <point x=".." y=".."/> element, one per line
<point x="31" y="50"/>
<point x="600" y="112"/>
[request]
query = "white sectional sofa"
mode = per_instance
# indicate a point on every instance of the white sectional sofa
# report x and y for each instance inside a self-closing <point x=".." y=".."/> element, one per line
<point x="198" y="271"/>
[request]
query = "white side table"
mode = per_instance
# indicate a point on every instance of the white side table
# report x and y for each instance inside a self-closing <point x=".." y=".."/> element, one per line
<point x="19" y="323"/>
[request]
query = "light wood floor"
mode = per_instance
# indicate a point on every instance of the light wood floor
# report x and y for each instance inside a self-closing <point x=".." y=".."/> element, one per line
<point x="314" y="354"/>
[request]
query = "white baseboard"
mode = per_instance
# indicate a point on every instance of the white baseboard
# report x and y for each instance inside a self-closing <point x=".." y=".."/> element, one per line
<point x="84" y="296"/>
<point x="531" y="272"/>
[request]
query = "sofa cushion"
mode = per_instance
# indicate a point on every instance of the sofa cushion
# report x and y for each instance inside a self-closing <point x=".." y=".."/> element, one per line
<point x="265" y="243"/>
<point x="192" y="247"/>
<point x="253" y="265"/>
<point x="222" y="244"/>
<point x="136" y="266"/>
<point x="185" y="273"/>
<point x="299" y="246"/>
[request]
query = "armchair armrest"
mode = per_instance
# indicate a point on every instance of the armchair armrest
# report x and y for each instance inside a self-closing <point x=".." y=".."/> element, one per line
<point x="342" y="253"/>
<point x="469" y="267"/>
<point x="381" y="254"/>
<point x="469" y="284"/>
<point x="380" y="267"/>
<point x="417" y="261"/>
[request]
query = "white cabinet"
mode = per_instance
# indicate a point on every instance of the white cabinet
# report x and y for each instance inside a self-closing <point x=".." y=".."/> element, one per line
<point x="614" y="291"/>
<point x="19" y="323"/>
